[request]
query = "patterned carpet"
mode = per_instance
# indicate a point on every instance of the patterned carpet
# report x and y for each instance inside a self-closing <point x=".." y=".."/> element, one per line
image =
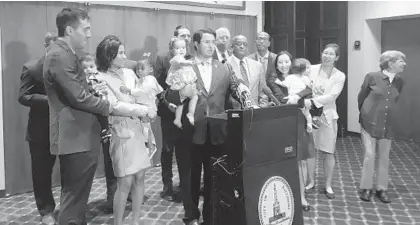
<point x="345" y="209"/>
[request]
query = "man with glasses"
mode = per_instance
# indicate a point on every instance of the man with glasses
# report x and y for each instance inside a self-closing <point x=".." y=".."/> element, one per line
<point x="222" y="52"/>
<point x="263" y="55"/>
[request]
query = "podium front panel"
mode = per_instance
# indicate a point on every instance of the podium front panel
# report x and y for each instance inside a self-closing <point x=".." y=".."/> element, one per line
<point x="261" y="136"/>
<point x="272" y="194"/>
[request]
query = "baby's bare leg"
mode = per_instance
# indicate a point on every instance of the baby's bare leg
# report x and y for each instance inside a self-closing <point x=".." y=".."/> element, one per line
<point x="191" y="108"/>
<point x="308" y="117"/>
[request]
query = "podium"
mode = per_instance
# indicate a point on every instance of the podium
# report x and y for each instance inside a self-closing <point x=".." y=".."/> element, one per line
<point x="256" y="182"/>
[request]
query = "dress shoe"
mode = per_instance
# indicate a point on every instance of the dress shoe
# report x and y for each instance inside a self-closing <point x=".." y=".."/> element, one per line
<point x="48" y="219"/>
<point x="170" y="196"/>
<point x="329" y="195"/>
<point x="365" y="195"/>
<point x="306" y="208"/>
<point x="383" y="196"/>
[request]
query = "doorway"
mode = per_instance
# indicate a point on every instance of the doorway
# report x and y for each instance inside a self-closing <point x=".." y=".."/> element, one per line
<point x="400" y="35"/>
<point x="304" y="28"/>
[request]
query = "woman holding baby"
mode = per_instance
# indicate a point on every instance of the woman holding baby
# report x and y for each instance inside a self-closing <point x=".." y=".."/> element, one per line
<point x="129" y="147"/>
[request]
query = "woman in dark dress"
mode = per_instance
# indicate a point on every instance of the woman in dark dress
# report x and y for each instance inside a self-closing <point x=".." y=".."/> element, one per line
<point x="305" y="146"/>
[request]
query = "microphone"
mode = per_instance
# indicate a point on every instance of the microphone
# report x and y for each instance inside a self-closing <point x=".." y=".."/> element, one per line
<point x="244" y="96"/>
<point x="270" y="94"/>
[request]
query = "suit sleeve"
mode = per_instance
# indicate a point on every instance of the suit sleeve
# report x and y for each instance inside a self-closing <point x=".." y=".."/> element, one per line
<point x="262" y="82"/>
<point x="160" y="71"/>
<point x="26" y="95"/>
<point x="233" y="83"/>
<point x="72" y="85"/>
<point x="364" y="91"/>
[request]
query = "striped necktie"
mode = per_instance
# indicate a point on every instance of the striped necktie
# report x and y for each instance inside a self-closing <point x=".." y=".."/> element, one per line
<point x="244" y="73"/>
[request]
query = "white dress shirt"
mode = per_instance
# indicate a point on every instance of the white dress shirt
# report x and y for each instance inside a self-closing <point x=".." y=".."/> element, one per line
<point x="205" y="68"/>
<point x="219" y="54"/>
<point x="263" y="60"/>
<point x="238" y="61"/>
<point x="390" y="75"/>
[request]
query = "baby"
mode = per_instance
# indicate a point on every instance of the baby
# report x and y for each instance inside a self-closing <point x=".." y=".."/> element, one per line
<point x="89" y="68"/>
<point x="297" y="82"/>
<point x="145" y="91"/>
<point x="180" y="75"/>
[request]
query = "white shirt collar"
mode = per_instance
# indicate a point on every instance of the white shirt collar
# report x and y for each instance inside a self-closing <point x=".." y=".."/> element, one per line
<point x="390" y="75"/>
<point x="265" y="56"/>
<point x="200" y="60"/>
<point x="238" y="61"/>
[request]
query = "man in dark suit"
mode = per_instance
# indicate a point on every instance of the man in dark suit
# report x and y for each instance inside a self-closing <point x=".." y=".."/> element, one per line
<point x="199" y="143"/>
<point x="263" y="55"/>
<point x="170" y="132"/>
<point x="32" y="94"/>
<point x="222" y="52"/>
<point x="75" y="131"/>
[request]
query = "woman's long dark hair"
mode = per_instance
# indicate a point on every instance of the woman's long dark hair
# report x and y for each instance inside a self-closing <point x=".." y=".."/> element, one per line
<point x="284" y="52"/>
<point x="106" y="52"/>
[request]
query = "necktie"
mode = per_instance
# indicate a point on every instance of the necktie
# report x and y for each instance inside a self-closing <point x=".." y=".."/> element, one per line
<point x="223" y="57"/>
<point x="244" y="73"/>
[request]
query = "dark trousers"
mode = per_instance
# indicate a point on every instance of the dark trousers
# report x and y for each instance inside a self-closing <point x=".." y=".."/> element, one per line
<point x="111" y="179"/>
<point x="201" y="159"/>
<point x="77" y="173"/>
<point x="42" y="168"/>
<point x="170" y="134"/>
<point x="192" y="158"/>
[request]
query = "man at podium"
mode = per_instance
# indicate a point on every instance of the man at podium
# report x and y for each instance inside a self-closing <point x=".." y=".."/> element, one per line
<point x="203" y="139"/>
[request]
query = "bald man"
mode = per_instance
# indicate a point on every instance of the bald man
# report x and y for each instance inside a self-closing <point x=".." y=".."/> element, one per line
<point x="263" y="55"/>
<point x="222" y="52"/>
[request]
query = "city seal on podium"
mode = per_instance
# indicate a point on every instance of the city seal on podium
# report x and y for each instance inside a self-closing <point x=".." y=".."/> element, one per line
<point x="276" y="202"/>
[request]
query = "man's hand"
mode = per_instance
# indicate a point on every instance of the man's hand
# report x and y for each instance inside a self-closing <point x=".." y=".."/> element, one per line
<point x="125" y="90"/>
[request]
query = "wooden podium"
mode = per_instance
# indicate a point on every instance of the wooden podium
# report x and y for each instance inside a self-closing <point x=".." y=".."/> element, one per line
<point x="256" y="182"/>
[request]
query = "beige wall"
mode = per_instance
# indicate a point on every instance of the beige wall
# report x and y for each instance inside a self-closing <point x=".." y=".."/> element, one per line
<point x="252" y="8"/>
<point x="364" y="24"/>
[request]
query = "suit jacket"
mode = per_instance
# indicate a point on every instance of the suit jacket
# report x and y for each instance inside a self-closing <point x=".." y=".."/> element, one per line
<point x="223" y="85"/>
<point x="270" y="65"/>
<point x="332" y="89"/>
<point x="256" y="77"/>
<point x="73" y="126"/>
<point x="162" y="66"/>
<point x="32" y="94"/>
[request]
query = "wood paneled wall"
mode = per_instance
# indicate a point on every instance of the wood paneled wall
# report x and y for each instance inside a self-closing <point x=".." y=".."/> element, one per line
<point x="24" y="25"/>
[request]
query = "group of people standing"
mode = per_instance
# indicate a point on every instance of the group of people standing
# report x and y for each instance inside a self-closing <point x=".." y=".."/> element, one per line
<point x="91" y="98"/>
